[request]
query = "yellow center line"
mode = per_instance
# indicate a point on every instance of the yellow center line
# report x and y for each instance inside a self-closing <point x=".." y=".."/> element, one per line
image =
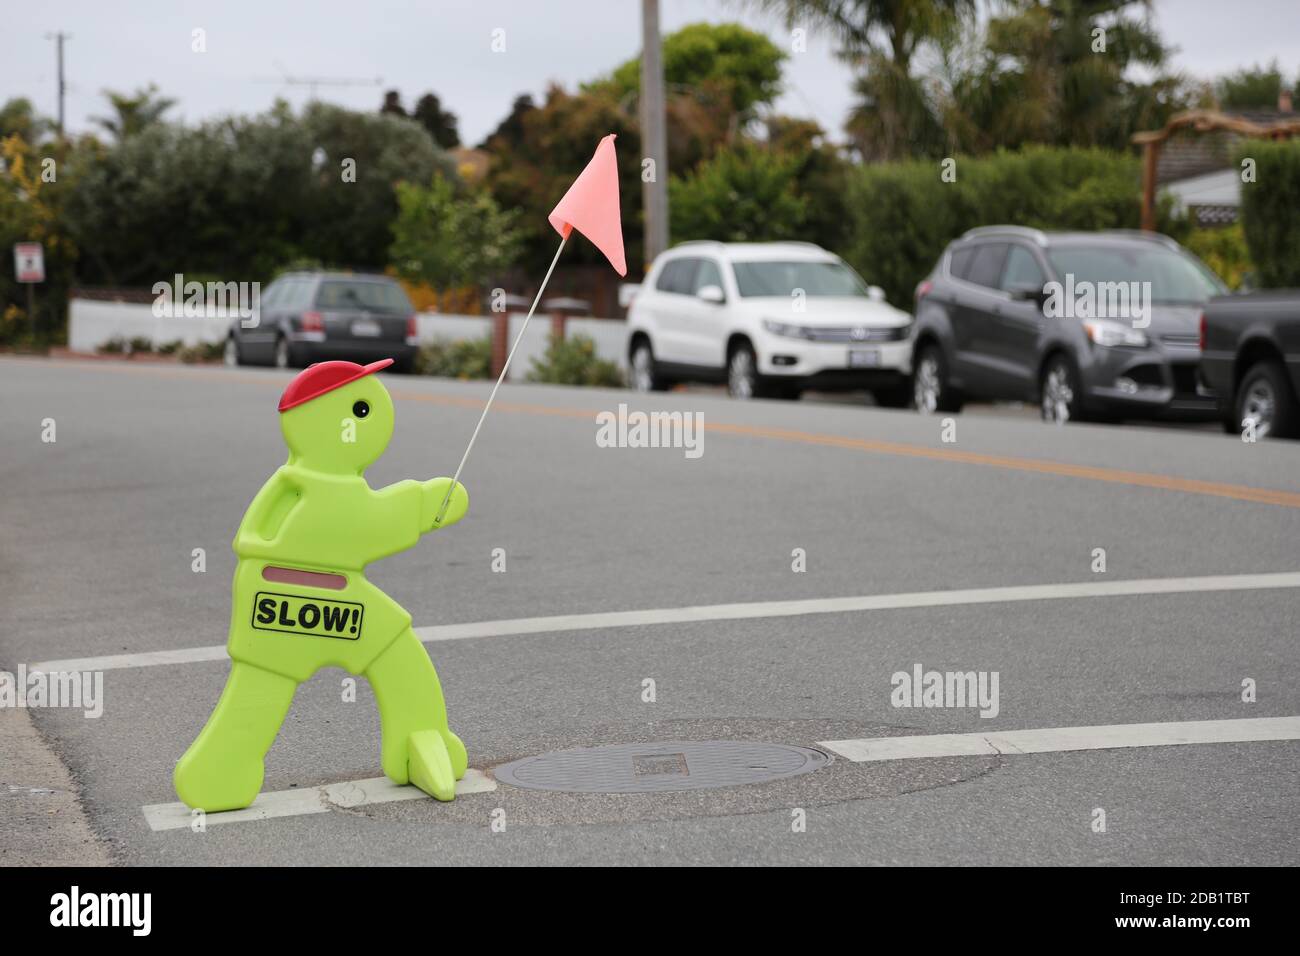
<point x="1140" y="479"/>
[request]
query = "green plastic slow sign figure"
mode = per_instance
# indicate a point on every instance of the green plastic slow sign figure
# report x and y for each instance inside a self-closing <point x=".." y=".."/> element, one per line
<point x="302" y="602"/>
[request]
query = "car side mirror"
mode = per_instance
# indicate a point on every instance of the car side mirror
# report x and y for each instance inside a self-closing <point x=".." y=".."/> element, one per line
<point x="1029" y="293"/>
<point x="711" y="293"/>
<point x="875" y="293"/>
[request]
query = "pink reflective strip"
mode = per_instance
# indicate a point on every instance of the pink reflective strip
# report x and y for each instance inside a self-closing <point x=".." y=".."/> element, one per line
<point x="311" y="579"/>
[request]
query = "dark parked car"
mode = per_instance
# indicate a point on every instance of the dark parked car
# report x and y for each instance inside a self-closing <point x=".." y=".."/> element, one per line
<point x="1250" y="357"/>
<point x="310" y="317"/>
<point x="1100" y="325"/>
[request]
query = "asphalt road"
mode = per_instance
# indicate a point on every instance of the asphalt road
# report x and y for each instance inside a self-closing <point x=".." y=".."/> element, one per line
<point x="98" y="530"/>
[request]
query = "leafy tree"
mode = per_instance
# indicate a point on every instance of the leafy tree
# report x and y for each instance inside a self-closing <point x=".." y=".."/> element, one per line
<point x="240" y="196"/>
<point x="821" y="178"/>
<point x="730" y="67"/>
<point x="717" y="78"/>
<point x="554" y="143"/>
<point x="1256" y="88"/>
<point x="1056" y="71"/>
<point x="30" y="212"/>
<point x="18" y="118"/>
<point x="510" y="131"/>
<point x="440" y="123"/>
<point x="133" y="114"/>
<point x="743" y="194"/>
<point x="392" y="104"/>
<point x="444" y="239"/>
<point x="896" y="114"/>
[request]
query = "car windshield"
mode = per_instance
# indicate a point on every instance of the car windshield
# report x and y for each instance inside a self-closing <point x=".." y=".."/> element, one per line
<point x="755" y="279"/>
<point x="373" y="296"/>
<point x="1174" y="277"/>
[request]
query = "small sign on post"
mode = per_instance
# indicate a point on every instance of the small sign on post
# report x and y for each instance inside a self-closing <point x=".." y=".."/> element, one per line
<point x="29" y="262"/>
<point x="29" y="269"/>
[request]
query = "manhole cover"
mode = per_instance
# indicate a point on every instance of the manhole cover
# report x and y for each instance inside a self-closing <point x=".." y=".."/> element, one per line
<point x="661" y="767"/>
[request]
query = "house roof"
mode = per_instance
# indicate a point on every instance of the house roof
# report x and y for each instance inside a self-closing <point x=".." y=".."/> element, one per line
<point x="1203" y="141"/>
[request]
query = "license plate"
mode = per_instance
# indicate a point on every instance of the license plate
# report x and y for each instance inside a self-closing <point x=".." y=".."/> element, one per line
<point x="366" y="329"/>
<point x="308" y="616"/>
<point x="864" y="358"/>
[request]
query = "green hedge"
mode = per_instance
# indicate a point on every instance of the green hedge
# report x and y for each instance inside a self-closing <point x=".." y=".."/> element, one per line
<point x="1224" y="250"/>
<point x="1270" y="211"/>
<point x="904" y="214"/>
<point x="573" y="361"/>
<point x="463" y="359"/>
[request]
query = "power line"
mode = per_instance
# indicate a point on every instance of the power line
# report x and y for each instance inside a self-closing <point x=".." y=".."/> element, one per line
<point x="313" y="82"/>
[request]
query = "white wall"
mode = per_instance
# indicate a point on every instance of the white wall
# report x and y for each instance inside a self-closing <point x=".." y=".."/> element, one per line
<point x="91" y="323"/>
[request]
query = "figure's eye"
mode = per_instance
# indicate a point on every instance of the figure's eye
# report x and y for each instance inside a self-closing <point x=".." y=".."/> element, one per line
<point x="361" y="409"/>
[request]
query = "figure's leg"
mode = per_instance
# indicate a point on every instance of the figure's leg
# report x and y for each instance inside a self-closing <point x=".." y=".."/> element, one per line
<point x="418" y="747"/>
<point x="224" y="766"/>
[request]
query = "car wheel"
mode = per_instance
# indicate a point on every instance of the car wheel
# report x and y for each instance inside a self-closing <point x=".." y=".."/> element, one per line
<point x="1265" y="398"/>
<point x="644" y="377"/>
<point x="931" y="391"/>
<point x="742" y="373"/>
<point x="1059" y="392"/>
<point x="283" y="354"/>
<point x="230" y="354"/>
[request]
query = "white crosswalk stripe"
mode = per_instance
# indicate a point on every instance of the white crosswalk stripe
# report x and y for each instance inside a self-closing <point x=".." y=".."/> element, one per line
<point x="1060" y="739"/>
<point x="746" y="611"/>
<point x="297" y="802"/>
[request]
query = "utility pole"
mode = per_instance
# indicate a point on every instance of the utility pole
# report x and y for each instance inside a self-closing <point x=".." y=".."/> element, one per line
<point x="654" y="136"/>
<point x="58" y="38"/>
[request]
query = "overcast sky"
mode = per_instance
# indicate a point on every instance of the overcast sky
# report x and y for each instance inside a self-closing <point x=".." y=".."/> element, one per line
<point x="446" y="47"/>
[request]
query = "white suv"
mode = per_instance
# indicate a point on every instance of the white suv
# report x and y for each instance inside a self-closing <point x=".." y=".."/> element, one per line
<point x="769" y="319"/>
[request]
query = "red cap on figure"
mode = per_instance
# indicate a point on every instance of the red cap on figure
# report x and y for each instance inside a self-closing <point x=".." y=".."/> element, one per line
<point x="315" y="380"/>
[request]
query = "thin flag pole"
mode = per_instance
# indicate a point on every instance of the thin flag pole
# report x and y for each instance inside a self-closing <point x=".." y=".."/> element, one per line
<point x="500" y="378"/>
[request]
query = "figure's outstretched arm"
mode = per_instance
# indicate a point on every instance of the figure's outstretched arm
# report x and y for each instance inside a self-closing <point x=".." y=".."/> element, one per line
<point x="435" y="492"/>
<point x="399" y="513"/>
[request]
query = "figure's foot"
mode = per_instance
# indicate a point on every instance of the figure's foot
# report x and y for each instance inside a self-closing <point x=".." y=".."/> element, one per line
<point x="456" y="750"/>
<point x="212" y="785"/>
<point x="430" y="765"/>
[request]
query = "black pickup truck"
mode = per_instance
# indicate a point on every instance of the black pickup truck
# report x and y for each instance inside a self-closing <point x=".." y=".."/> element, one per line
<point x="1250" y="358"/>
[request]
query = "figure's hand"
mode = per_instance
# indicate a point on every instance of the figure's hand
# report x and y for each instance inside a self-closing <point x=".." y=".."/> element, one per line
<point x="435" y="491"/>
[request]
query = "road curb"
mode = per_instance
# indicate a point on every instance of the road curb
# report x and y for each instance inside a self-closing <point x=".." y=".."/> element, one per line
<point x="45" y="823"/>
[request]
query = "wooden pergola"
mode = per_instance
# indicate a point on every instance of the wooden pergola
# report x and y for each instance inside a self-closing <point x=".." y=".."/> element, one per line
<point x="1200" y="121"/>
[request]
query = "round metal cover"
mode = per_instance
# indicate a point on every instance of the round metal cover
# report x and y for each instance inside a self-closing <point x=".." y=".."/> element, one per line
<point x="661" y="767"/>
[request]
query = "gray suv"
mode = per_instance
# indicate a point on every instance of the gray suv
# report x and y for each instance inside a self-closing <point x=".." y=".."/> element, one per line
<point x="1100" y="325"/>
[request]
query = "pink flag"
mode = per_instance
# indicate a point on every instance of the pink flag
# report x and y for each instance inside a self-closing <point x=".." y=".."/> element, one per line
<point x="591" y="206"/>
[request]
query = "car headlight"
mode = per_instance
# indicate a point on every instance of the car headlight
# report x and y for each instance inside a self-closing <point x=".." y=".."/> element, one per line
<point x="1110" y="335"/>
<point x="785" y="329"/>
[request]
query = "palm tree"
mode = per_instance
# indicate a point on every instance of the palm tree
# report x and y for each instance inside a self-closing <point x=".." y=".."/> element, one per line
<point x="898" y="113"/>
<point x="1065" y="63"/>
<point x="133" y="113"/>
